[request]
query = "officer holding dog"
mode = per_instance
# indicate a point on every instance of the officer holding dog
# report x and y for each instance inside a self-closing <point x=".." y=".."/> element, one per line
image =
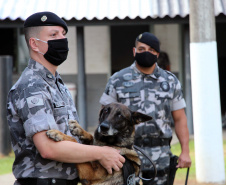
<point x="147" y="88"/>
<point x="40" y="101"/>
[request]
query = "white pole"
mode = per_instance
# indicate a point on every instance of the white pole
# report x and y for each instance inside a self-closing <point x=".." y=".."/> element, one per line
<point x="209" y="156"/>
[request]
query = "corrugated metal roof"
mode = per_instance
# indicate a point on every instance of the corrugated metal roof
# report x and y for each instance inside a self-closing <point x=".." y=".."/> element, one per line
<point x="100" y="9"/>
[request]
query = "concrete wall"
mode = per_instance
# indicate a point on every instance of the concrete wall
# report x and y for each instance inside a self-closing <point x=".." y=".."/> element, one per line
<point x="169" y="36"/>
<point x="97" y="51"/>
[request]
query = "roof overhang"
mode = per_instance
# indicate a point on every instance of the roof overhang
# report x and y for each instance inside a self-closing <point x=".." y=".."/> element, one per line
<point x="104" y="12"/>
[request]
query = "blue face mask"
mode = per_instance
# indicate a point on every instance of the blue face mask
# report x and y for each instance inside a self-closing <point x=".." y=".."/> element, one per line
<point x="57" y="51"/>
<point x="145" y="59"/>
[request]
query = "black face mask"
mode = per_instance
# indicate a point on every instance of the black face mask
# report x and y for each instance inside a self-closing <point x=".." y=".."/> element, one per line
<point x="57" y="51"/>
<point x="145" y="59"/>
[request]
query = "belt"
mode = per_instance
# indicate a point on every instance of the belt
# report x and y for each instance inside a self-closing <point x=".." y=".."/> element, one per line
<point x="49" y="181"/>
<point x="152" y="142"/>
<point x="160" y="173"/>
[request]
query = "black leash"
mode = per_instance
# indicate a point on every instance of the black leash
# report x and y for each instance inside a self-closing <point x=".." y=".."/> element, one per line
<point x="186" y="181"/>
<point x="148" y="157"/>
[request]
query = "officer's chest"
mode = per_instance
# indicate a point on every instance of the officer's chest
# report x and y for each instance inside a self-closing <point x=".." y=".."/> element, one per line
<point x="137" y="87"/>
<point x="63" y="105"/>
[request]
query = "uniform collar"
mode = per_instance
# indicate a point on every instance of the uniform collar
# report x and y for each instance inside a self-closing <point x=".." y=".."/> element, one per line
<point x="44" y="72"/>
<point x="156" y="73"/>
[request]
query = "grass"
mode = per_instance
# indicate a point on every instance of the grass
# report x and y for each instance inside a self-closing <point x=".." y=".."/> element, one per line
<point x="181" y="173"/>
<point x="7" y="161"/>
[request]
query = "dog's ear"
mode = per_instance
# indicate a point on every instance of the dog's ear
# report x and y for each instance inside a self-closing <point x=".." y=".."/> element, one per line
<point x="140" y="117"/>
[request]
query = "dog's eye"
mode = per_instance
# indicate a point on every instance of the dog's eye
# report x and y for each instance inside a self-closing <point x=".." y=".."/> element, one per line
<point x="105" y="110"/>
<point x="119" y="115"/>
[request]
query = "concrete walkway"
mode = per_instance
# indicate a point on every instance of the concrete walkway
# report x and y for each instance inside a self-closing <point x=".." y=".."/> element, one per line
<point x="7" y="179"/>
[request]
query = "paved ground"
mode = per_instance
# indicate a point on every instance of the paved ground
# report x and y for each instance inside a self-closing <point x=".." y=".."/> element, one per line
<point x="9" y="179"/>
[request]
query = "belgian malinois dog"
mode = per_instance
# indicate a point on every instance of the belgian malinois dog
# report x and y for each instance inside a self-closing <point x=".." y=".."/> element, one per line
<point x="116" y="129"/>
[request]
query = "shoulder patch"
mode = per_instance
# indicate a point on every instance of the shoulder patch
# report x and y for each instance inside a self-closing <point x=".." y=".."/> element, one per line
<point x="34" y="101"/>
<point x="165" y="86"/>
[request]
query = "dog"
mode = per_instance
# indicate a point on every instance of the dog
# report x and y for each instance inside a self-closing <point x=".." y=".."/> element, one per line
<point x="116" y="129"/>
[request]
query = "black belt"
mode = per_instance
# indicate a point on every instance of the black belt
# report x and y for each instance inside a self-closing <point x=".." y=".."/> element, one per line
<point x="160" y="173"/>
<point x="49" y="181"/>
<point x="152" y="142"/>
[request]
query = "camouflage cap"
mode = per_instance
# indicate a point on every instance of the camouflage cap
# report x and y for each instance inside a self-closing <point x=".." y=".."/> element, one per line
<point x="45" y="19"/>
<point x="149" y="39"/>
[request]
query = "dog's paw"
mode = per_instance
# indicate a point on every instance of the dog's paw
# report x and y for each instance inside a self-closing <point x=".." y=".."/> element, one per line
<point x="75" y="128"/>
<point x="55" y="135"/>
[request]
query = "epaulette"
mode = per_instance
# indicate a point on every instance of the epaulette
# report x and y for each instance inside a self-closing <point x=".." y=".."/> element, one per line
<point x="170" y="73"/>
<point x="122" y="72"/>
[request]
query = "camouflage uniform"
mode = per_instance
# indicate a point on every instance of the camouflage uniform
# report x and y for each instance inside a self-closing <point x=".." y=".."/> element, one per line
<point x="156" y="95"/>
<point x="38" y="101"/>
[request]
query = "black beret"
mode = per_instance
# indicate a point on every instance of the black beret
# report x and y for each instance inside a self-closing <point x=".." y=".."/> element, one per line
<point x="45" y="19"/>
<point x="149" y="39"/>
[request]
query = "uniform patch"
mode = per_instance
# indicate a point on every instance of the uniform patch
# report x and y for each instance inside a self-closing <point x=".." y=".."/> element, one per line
<point x="34" y="101"/>
<point x="127" y="77"/>
<point x="128" y="84"/>
<point x="165" y="86"/>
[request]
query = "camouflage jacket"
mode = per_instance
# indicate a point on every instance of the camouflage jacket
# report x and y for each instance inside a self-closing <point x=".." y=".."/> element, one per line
<point x="156" y="95"/>
<point x="37" y="102"/>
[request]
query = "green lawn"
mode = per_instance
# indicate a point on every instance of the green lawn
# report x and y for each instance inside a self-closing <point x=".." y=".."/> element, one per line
<point x="181" y="173"/>
<point x="6" y="162"/>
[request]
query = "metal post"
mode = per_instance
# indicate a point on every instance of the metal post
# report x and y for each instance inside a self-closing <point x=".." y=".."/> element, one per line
<point x="81" y="78"/>
<point x="205" y="94"/>
<point x="5" y="85"/>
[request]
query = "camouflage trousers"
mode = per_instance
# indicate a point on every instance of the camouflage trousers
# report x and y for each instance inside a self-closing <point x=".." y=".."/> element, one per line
<point x="161" y="157"/>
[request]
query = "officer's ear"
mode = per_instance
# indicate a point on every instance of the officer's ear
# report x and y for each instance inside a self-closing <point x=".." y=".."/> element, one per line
<point x="138" y="117"/>
<point x="134" y="51"/>
<point x="157" y="55"/>
<point x="33" y="44"/>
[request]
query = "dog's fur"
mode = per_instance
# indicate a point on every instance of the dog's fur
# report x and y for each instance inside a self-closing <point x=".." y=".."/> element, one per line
<point x="116" y="129"/>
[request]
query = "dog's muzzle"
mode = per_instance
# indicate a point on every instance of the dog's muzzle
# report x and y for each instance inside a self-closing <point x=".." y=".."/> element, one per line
<point x="106" y="129"/>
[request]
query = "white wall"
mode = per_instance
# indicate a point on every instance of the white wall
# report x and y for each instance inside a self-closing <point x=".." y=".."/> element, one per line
<point x="97" y="51"/>
<point x="169" y="36"/>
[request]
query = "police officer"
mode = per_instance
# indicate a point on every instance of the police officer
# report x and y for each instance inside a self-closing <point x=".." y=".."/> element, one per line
<point x="147" y="88"/>
<point x="40" y="101"/>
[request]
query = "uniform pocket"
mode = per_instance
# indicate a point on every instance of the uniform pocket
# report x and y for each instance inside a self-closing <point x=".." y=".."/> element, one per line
<point x="128" y="98"/>
<point x="59" y="109"/>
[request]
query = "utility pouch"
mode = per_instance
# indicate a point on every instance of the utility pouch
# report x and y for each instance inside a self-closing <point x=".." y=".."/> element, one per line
<point x="172" y="169"/>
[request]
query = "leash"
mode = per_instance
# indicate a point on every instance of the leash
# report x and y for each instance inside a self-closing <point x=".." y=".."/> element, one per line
<point x="148" y="157"/>
<point x="186" y="181"/>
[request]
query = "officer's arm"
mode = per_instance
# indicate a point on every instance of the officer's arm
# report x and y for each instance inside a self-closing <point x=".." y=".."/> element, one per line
<point x="181" y="129"/>
<point x="71" y="152"/>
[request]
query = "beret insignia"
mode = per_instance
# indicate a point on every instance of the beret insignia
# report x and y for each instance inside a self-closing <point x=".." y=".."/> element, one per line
<point x="44" y="18"/>
<point x="140" y="36"/>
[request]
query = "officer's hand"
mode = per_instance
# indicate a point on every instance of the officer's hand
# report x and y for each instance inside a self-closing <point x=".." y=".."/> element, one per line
<point x="184" y="161"/>
<point x="111" y="159"/>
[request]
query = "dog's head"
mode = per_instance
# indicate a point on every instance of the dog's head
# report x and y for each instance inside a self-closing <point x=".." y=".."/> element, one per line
<point x="117" y="125"/>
